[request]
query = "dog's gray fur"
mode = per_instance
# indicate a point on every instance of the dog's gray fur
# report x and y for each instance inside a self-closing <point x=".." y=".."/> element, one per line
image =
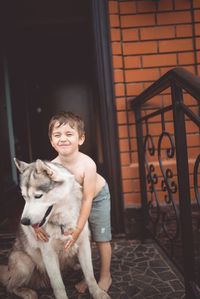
<point x="33" y="263"/>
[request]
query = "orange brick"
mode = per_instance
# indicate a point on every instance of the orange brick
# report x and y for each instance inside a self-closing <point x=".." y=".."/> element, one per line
<point x="128" y="172"/>
<point x="198" y="42"/>
<point x="132" y="200"/>
<point x="130" y="34"/>
<point x="131" y="117"/>
<point x="140" y="48"/>
<point x="193" y="140"/>
<point x="183" y="30"/>
<point x="125" y="158"/>
<point x="113" y="7"/>
<point x="174" y="17"/>
<point x="167" y="100"/>
<point x="141" y="75"/>
<point x="137" y="20"/>
<point x="197" y="29"/>
<point x="193" y="152"/>
<point x="198" y="70"/>
<point x="114" y="21"/>
<point x="165" y="5"/>
<point x="182" y="4"/>
<point x="120" y="104"/>
<point x="196" y="3"/>
<point x="176" y="45"/>
<point x="127" y="7"/>
<point x="198" y="56"/>
<point x="195" y="110"/>
<point x="191" y="127"/>
<point x="118" y="76"/>
<point x="116" y="48"/>
<point x="134" y="157"/>
<point x="132" y="62"/>
<point x="117" y="62"/>
<point x="134" y="149"/>
<point x="146" y="6"/>
<point x="115" y="34"/>
<point x="197" y="15"/>
<point x="189" y="100"/>
<point x="132" y="132"/>
<point x="159" y="60"/>
<point x="121" y="118"/>
<point x="119" y="90"/>
<point x="123" y="131"/>
<point x="186" y="58"/>
<point x="128" y="185"/>
<point x="164" y="70"/>
<point x="157" y="32"/>
<point x="134" y="89"/>
<point x="124" y="145"/>
<point x="155" y="129"/>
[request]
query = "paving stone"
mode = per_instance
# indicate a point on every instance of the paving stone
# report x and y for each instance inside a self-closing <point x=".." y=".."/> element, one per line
<point x="167" y="275"/>
<point x="139" y="271"/>
<point x="176" y="285"/>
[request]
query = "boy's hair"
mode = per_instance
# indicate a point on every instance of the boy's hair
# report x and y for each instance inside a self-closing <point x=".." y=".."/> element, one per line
<point x="70" y="118"/>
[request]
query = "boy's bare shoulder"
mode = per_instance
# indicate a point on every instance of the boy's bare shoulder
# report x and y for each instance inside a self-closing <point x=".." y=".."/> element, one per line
<point x="86" y="159"/>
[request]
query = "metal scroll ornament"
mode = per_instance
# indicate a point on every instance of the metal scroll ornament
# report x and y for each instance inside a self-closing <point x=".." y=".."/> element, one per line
<point x="170" y="211"/>
<point x="152" y="180"/>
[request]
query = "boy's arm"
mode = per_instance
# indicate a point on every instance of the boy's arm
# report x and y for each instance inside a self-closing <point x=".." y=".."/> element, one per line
<point x="89" y="187"/>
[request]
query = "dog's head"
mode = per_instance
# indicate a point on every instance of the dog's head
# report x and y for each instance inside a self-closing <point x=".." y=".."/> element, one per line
<point x="43" y="186"/>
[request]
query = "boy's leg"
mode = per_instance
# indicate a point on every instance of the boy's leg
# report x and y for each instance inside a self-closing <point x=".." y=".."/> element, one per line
<point x="100" y="226"/>
<point x="105" y="252"/>
<point x="105" y="280"/>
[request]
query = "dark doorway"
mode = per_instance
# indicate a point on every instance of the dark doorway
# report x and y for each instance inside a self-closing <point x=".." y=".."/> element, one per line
<point x="51" y="69"/>
<point x="49" y="54"/>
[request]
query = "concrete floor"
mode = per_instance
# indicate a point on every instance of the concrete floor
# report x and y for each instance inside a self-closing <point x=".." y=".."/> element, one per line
<point x="139" y="270"/>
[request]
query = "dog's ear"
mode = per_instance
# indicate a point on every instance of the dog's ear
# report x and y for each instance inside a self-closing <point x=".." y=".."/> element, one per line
<point x="20" y="165"/>
<point x="42" y="166"/>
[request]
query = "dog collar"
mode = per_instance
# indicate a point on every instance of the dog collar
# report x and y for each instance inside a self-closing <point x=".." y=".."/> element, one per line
<point x="62" y="226"/>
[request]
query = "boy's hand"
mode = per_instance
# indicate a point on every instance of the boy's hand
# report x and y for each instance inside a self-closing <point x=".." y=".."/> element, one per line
<point x="41" y="234"/>
<point x="73" y="236"/>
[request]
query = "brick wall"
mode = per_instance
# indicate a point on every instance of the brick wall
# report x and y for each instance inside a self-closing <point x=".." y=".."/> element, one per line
<point x="148" y="38"/>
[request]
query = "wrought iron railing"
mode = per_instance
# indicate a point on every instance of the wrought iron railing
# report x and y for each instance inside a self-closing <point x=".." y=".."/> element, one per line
<point x="168" y="145"/>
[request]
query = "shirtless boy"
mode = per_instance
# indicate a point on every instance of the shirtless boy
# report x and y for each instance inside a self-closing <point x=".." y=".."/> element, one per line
<point x="66" y="134"/>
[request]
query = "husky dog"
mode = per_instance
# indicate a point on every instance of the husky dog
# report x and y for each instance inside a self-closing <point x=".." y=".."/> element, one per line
<point x="52" y="201"/>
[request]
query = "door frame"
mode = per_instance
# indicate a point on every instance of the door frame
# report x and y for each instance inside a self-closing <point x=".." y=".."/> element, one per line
<point x="107" y="110"/>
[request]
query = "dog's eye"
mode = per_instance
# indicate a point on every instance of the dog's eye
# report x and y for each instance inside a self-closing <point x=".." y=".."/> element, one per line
<point x="38" y="195"/>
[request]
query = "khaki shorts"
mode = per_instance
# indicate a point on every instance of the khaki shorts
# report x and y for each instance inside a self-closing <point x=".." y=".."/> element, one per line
<point x="99" y="219"/>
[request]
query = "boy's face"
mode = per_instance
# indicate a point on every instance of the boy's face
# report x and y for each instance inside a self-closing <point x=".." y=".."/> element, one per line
<point x="65" y="139"/>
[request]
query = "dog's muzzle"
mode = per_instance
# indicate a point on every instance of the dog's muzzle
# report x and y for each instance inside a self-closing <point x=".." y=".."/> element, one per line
<point x="27" y="221"/>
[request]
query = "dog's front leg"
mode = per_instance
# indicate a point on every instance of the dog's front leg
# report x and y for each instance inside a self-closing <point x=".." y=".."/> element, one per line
<point x="51" y="262"/>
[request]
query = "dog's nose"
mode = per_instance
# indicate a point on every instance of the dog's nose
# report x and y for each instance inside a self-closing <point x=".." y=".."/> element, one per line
<point x="25" y="221"/>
